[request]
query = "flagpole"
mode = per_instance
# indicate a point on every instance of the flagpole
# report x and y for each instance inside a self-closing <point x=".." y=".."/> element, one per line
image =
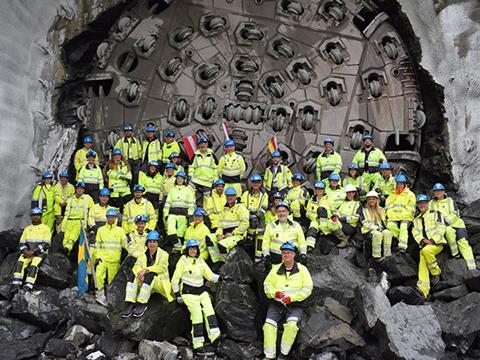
<point x="92" y="265"/>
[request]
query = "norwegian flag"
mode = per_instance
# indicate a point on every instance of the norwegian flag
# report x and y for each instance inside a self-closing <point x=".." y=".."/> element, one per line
<point x="190" y="143"/>
<point x="225" y="131"/>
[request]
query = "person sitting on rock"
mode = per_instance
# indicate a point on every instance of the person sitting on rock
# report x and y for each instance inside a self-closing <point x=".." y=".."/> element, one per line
<point x="354" y="178"/>
<point x="279" y="231"/>
<point x="319" y="234"/>
<point x="385" y="185"/>
<point x="34" y="244"/>
<point x="188" y="285"/>
<point x="319" y="220"/>
<point x="138" y="206"/>
<point x="456" y="233"/>
<point x="374" y="229"/>
<point x="138" y="237"/>
<point x="286" y="286"/>
<point x="400" y="211"/>
<point x="109" y="242"/>
<point x="348" y="213"/>
<point x="149" y="275"/>
<point x="429" y="232"/>
<point x="335" y="191"/>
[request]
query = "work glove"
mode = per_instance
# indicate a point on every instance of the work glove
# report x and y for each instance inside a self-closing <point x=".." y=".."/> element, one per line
<point x="303" y="259"/>
<point x="279" y="294"/>
<point x="226" y="278"/>
<point x="286" y="300"/>
<point x="334" y="218"/>
<point x="267" y="263"/>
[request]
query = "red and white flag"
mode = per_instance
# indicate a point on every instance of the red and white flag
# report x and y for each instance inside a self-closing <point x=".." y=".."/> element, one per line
<point x="190" y="143"/>
<point x="225" y="131"/>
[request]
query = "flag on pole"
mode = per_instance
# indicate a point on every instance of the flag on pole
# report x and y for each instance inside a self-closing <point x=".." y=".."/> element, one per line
<point x="83" y="258"/>
<point x="272" y="144"/>
<point x="190" y="144"/>
<point x="225" y="131"/>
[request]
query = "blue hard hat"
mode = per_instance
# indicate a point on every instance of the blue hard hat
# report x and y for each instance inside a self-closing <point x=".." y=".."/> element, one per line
<point x="36" y="211"/>
<point x="256" y="177"/>
<point x="283" y="204"/>
<point x="138" y="187"/>
<point x="117" y="152"/>
<point x="192" y="243"/>
<point x="229" y="142"/>
<point x="367" y="136"/>
<point x="173" y="154"/>
<point x="112" y="212"/>
<point x="169" y="134"/>
<point x="199" y="212"/>
<point x="91" y="153"/>
<point x="288" y="246"/>
<point x="181" y="174"/>
<point x="202" y="140"/>
<point x="277" y="195"/>
<point x="385" y="166"/>
<point x="80" y="184"/>
<point x="297" y="176"/>
<point x="150" y="128"/>
<point x="128" y="127"/>
<point x="170" y="166"/>
<point x="230" y="191"/>
<point x="87" y="139"/>
<point x="276" y="154"/>
<point x="104" y="192"/>
<point x="422" y="197"/>
<point x="320" y="185"/>
<point x="141" y="217"/>
<point x="438" y="186"/>
<point x="353" y="166"/>
<point x="328" y="140"/>
<point x="63" y="174"/>
<point x="47" y="175"/>
<point x="153" y="163"/>
<point x="153" y="236"/>
<point x="218" y="182"/>
<point x="334" y="177"/>
<point x="400" y="178"/>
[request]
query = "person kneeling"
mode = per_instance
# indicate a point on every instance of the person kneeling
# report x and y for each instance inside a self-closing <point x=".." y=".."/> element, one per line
<point x="149" y="274"/>
<point x="287" y="286"/>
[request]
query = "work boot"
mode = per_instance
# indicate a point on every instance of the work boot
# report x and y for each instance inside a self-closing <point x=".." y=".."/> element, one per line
<point x="434" y="280"/>
<point x="101" y="298"/>
<point x="343" y="244"/>
<point x="128" y="311"/>
<point x="342" y="237"/>
<point x="140" y="310"/>
<point x="205" y="350"/>
<point x="282" y="357"/>
<point x="27" y="287"/>
<point x="401" y="251"/>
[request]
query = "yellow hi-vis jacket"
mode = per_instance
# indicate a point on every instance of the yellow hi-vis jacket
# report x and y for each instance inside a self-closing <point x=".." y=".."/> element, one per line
<point x="159" y="267"/>
<point x="282" y="178"/>
<point x="131" y="147"/>
<point x="372" y="223"/>
<point x="200" y="233"/>
<point x="234" y="218"/>
<point x="36" y="238"/>
<point x="203" y="170"/>
<point x="109" y="242"/>
<point x="192" y="272"/>
<point x="91" y="176"/>
<point x="167" y="185"/>
<point x="180" y="201"/>
<point x="433" y="228"/>
<point x="385" y="187"/>
<point x="168" y="149"/>
<point x="336" y="196"/>
<point x="80" y="160"/>
<point x="62" y="194"/>
<point x="98" y="214"/>
<point x="297" y="198"/>
<point x="297" y="283"/>
<point x="351" y="210"/>
<point x="214" y="207"/>
<point x="328" y="162"/>
<point x="449" y="210"/>
<point x="137" y="243"/>
<point x="276" y="234"/>
<point x="44" y="197"/>
<point x="152" y="184"/>
<point x="401" y="207"/>
<point x="258" y="201"/>
<point x="314" y="203"/>
<point x="231" y="167"/>
<point x="132" y="209"/>
<point x="375" y="158"/>
<point x="152" y="150"/>
<point x="78" y="208"/>
<point x="118" y="180"/>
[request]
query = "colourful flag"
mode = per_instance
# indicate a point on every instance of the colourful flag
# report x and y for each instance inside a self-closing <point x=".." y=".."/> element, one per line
<point x="225" y="131"/>
<point x="272" y="144"/>
<point x="190" y="144"/>
<point x="83" y="258"/>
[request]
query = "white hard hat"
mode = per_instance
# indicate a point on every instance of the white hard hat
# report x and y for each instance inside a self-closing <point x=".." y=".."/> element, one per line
<point x="372" y="194"/>
<point x="349" y="188"/>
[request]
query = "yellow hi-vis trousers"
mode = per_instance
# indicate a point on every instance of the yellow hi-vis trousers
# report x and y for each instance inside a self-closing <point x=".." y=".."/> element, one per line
<point x="428" y="265"/>
<point x="138" y="292"/>
<point x="457" y="241"/>
<point x="381" y="238"/>
<point x="72" y="233"/>
<point x="19" y="270"/>
<point x="399" y="230"/>
<point x="106" y="269"/>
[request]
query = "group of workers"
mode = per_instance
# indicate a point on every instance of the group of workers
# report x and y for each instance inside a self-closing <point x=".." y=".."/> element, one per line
<point x="144" y="191"/>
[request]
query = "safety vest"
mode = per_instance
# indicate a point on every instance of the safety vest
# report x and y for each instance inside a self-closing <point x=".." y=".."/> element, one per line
<point x="159" y="266"/>
<point x="449" y="209"/>
<point x="91" y="176"/>
<point x="214" y="207"/>
<point x="131" y="148"/>
<point x="203" y="170"/>
<point x="77" y="209"/>
<point x="314" y="203"/>
<point x="372" y="223"/>
<point x="234" y="218"/>
<point x="168" y="149"/>
<point x="36" y="238"/>
<point x="297" y="198"/>
<point x="432" y="227"/>
<point x="200" y="233"/>
<point x="168" y="184"/>
<point x="350" y="209"/>
<point x="62" y="193"/>
<point x="109" y="242"/>
<point x="152" y="150"/>
<point x="192" y="272"/>
<point x="257" y="202"/>
<point x="231" y="167"/>
<point x="132" y="209"/>
<point x="137" y="243"/>
<point x="281" y="180"/>
<point x="358" y="182"/>
<point x="375" y="158"/>
<point x="336" y="196"/>
<point x="152" y="184"/>
<point x="98" y="214"/>
<point x="180" y="201"/>
<point x="276" y="234"/>
<point x="44" y="197"/>
<point x="118" y="180"/>
<point x="297" y="283"/>
<point x="384" y="186"/>
<point x="80" y="159"/>
<point x="401" y="207"/>
<point x="328" y="162"/>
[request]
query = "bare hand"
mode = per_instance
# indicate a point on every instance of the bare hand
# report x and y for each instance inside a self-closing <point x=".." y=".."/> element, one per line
<point x="228" y="234"/>
<point x="427" y="242"/>
<point x="219" y="237"/>
<point x="29" y="253"/>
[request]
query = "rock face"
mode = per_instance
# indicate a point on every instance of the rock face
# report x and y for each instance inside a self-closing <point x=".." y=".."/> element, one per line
<point x="400" y="268"/>
<point x="155" y="350"/>
<point x="13" y="329"/>
<point x="410" y="333"/>
<point x="55" y="271"/>
<point x="371" y="304"/>
<point x="24" y="349"/>
<point x="239" y="266"/>
<point x="116" y="290"/>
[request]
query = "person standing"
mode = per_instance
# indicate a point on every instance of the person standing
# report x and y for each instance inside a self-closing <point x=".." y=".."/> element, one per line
<point x="328" y="162"/>
<point x="170" y="145"/>
<point x="91" y="175"/>
<point x="80" y="159"/>
<point x="131" y="149"/>
<point x="151" y="148"/>
<point x="43" y="197"/>
<point x="278" y="177"/>
<point x="231" y="167"/>
<point x="118" y="179"/>
<point x="63" y="190"/>
<point x="203" y="172"/>
<point x="369" y="159"/>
